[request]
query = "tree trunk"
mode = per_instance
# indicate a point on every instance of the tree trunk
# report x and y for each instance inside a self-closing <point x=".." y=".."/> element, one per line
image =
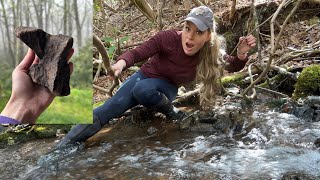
<point x="38" y="8"/>
<point x="70" y="28"/>
<point x="78" y="26"/>
<point x="8" y="33"/>
<point x="145" y="8"/>
<point x="47" y="8"/>
<point x="65" y="12"/>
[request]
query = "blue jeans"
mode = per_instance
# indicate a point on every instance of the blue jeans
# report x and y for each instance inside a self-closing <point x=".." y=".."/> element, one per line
<point x="137" y="89"/>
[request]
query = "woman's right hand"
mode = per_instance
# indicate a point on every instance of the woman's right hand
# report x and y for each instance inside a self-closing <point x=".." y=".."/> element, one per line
<point x="118" y="67"/>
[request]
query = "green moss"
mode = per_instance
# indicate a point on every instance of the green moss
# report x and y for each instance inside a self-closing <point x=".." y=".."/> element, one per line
<point x="40" y="131"/>
<point x="308" y="82"/>
<point x="11" y="138"/>
<point x="235" y="79"/>
<point x="313" y="20"/>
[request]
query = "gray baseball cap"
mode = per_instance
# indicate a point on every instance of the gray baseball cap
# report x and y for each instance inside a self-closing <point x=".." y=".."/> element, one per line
<point x="202" y="17"/>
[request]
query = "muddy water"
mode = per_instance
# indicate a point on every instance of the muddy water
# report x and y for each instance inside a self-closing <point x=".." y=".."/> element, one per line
<point x="280" y="146"/>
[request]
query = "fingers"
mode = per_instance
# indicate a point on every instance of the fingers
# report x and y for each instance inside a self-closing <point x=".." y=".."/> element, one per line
<point x="27" y="60"/>
<point x="241" y="39"/>
<point x="70" y="54"/>
<point x="36" y="60"/>
<point x="71" y="67"/>
<point x="68" y="59"/>
<point x="116" y="73"/>
<point x="251" y="41"/>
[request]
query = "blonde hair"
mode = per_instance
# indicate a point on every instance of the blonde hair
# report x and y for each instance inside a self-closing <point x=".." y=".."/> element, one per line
<point x="209" y="69"/>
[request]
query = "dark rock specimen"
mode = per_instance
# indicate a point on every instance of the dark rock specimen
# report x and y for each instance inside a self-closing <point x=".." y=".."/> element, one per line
<point x="53" y="69"/>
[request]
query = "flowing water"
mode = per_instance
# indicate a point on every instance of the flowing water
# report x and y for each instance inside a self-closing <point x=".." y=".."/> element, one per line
<point x="280" y="146"/>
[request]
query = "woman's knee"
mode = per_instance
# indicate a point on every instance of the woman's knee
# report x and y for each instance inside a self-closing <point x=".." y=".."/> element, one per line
<point x="145" y="94"/>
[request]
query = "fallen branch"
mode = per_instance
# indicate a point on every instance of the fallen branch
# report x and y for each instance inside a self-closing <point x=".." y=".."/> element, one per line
<point x="292" y="55"/>
<point x="186" y="96"/>
<point x="96" y="77"/>
<point x="101" y="89"/>
<point x="106" y="62"/>
<point x="232" y="11"/>
<point x="284" y="72"/>
<point x="273" y="92"/>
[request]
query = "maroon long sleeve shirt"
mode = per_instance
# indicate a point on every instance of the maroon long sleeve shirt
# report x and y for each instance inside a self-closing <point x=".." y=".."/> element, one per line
<point x="168" y="60"/>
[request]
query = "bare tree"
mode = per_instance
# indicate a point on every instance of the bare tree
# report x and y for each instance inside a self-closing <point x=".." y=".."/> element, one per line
<point x="38" y="8"/>
<point x="7" y="28"/>
<point x="78" y="25"/>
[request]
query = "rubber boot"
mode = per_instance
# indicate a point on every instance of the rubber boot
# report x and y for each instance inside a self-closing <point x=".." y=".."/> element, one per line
<point x="81" y="132"/>
<point x="165" y="107"/>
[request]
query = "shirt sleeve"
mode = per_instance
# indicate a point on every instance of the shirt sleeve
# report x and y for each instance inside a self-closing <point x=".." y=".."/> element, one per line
<point x="7" y="120"/>
<point x="145" y="50"/>
<point x="233" y="63"/>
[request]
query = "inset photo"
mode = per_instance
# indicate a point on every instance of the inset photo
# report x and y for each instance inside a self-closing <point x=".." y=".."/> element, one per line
<point x="46" y="62"/>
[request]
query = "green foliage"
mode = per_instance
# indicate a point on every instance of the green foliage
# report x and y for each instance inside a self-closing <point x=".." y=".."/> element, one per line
<point x="5" y="76"/>
<point x="308" y="82"/>
<point x="4" y="97"/>
<point x="82" y="68"/>
<point x="73" y="109"/>
<point x="112" y="49"/>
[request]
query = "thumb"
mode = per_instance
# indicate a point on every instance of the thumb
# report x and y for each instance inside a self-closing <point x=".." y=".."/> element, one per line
<point x="117" y="72"/>
<point x="27" y="61"/>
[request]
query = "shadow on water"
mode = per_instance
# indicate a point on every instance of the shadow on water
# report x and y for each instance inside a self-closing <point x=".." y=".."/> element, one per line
<point x="279" y="146"/>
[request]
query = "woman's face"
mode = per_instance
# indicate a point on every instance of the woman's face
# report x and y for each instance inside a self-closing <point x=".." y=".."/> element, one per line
<point x="193" y="39"/>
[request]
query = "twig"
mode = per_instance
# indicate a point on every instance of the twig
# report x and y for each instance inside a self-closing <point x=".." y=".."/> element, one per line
<point x="131" y="45"/>
<point x="292" y="56"/>
<point x="271" y="91"/>
<point x="284" y="72"/>
<point x="252" y="32"/>
<point x="101" y="89"/>
<point x="254" y="94"/>
<point x="106" y="62"/>
<point x="198" y="3"/>
<point x="255" y="17"/>
<point x="185" y="96"/>
<point x="272" y="42"/>
<point x="232" y="11"/>
<point x="96" y="77"/>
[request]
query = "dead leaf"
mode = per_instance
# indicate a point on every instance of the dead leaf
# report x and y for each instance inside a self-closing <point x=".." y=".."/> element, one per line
<point x="294" y="39"/>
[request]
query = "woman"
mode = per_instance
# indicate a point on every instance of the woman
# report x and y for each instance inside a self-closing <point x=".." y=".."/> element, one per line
<point x="176" y="58"/>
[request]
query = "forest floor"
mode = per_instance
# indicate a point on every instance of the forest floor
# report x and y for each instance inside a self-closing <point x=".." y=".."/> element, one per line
<point x="129" y="21"/>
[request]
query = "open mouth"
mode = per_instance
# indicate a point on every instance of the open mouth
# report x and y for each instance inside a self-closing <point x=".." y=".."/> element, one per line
<point x="189" y="45"/>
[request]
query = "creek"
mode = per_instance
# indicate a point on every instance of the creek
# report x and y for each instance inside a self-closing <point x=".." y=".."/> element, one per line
<point x="279" y="146"/>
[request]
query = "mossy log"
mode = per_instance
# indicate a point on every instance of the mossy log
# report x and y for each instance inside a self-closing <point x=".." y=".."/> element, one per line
<point x="18" y="134"/>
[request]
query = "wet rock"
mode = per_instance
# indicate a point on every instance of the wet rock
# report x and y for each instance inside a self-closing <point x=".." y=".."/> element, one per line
<point x="317" y="142"/>
<point x="310" y="110"/>
<point x="185" y="123"/>
<point x="313" y="101"/>
<point x="221" y="119"/>
<point x="152" y="130"/>
<point x="52" y="70"/>
<point x="304" y="112"/>
<point x="297" y="176"/>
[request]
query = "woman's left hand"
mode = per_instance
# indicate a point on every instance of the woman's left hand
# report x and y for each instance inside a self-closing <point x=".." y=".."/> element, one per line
<point x="245" y="44"/>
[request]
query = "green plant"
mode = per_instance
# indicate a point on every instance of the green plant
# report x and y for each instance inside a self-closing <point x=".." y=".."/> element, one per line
<point x="111" y="50"/>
